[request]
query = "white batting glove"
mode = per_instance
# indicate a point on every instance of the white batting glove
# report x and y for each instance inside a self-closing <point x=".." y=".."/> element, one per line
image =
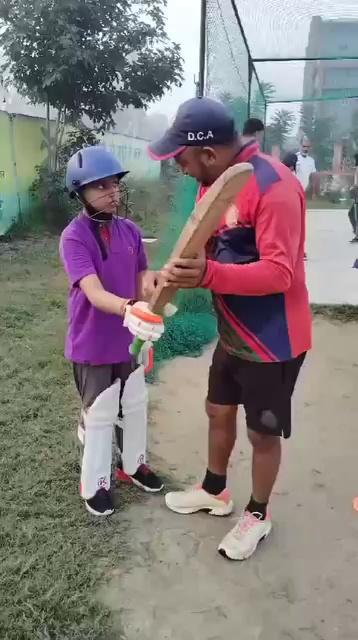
<point x="143" y="323"/>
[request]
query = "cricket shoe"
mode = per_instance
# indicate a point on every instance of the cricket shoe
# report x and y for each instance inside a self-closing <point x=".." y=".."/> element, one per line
<point x="144" y="479"/>
<point x="241" y="542"/>
<point x="196" y="499"/>
<point x="101" y="504"/>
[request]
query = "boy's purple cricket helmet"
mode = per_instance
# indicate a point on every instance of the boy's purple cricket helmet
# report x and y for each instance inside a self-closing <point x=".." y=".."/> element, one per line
<point x="91" y="164"/>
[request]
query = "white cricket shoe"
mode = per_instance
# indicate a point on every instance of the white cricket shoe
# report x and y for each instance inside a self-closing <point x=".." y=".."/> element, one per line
<point x="196" y="499"/>
<point x="241" y="542"/>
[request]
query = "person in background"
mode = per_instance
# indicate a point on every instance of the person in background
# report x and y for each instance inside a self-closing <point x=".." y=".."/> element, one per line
<point x="254" y="128"/>
<point x="306" y="165"/>
<point x="290" y="161"/>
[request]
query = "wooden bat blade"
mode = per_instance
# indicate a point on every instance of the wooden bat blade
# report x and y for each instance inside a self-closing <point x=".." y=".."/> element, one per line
<point x="203" y="223"/>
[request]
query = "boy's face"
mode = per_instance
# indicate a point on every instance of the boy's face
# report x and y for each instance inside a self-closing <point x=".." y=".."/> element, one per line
<point x="104" y="195"/>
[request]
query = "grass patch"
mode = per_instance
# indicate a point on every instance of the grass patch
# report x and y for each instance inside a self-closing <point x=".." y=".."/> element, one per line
<point x="323" y="203"/>
<point x="336" y="312"/>
<point x="53" y="556"/>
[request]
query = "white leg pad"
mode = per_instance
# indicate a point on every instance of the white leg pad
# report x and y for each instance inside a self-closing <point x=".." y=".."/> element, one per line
<point x="97" y="456"/>
<point x="134" y="409"/>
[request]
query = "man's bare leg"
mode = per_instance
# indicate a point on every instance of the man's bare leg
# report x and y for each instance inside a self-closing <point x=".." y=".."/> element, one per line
<point x="222" y="436"/>
<point x="266" y="460"/>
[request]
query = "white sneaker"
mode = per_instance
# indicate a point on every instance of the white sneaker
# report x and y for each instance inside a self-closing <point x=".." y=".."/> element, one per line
<point x="197" y="499"/>
<point x="242" y="541"/>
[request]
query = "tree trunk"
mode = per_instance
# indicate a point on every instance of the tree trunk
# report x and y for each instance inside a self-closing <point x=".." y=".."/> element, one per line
<point x="56" y="143"/>
<point x="48" y="123"/>
<point x="61" y="133"/>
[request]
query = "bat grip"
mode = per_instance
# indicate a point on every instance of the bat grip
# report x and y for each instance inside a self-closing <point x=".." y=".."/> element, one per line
<point x="136" y="347"/>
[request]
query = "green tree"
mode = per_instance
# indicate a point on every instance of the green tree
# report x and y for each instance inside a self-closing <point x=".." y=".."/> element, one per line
<point x="263" y="94"/>
<point x="237" y="107"/>
<point x="280" y="128"/>
<point x="87" y="58"/>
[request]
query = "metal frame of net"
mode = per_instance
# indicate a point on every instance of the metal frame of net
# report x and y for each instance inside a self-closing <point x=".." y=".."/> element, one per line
<point x="296" y="55"/>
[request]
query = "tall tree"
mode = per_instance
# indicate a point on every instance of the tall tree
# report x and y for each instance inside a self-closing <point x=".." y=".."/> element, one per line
<point x="280" y="128"/>
<point x="87" y="58"/>
<point x="237" y="107"/>
<point x="261" y="95"/>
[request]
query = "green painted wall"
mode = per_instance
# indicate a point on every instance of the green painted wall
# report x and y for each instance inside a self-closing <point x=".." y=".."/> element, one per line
<point x="20" y="153"/>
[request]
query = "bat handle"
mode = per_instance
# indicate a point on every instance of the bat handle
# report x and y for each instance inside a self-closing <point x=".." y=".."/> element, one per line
<point x="136" y="347"/>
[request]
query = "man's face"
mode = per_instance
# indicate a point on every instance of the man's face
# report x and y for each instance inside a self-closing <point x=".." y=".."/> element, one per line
<point x="305" y="148"/>
<point x="205" y="164"/>
<point x="103" y="195"/>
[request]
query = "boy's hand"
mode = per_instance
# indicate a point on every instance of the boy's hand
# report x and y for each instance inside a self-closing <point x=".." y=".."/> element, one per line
<point x="185" y="273"/>
<point x="143" y="323"/>
<point x="148" y="281"/>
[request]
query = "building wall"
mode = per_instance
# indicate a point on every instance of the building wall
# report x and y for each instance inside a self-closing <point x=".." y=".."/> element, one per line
<point x="132" y="153"/>
<point x="21" y="151"/>
<point x="332" y="78"/>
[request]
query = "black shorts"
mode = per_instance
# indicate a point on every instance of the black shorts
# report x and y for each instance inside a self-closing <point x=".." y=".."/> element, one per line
<point x="264" y="389"/>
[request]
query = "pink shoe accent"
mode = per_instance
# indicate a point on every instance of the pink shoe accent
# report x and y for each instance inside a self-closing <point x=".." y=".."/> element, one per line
<point x="225" y="495"/>
<point x="248" y="521"/>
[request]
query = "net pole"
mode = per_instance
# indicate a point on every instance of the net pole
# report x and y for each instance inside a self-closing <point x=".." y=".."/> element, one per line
<point x="265" y="119"/>
<point x="202" y="52"/>
<point x="243" y="35"/>
<point x="250" y="88"/>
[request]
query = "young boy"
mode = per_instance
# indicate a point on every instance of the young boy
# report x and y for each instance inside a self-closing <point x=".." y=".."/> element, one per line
<point x="106" y="265"/>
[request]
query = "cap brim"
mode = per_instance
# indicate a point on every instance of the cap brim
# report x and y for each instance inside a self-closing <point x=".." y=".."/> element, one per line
<point x="165" y="148"/>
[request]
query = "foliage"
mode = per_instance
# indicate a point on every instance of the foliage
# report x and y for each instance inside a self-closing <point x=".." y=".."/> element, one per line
<point x="150" y="203"/>
<point x="280" y="128"/>
<point x="87" y="58"/>
<point x="237" y="107"/>
<point x="48" y="188"/>
<point x="262" y="94"/>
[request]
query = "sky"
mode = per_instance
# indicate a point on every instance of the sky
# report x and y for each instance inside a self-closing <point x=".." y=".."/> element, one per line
<point x="183" y="27"/>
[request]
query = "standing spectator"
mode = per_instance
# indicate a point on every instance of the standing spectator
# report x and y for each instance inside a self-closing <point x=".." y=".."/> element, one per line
<point x="290" y="160"/>
<point x="254" y="128"/>
<point x="306" y="165"/>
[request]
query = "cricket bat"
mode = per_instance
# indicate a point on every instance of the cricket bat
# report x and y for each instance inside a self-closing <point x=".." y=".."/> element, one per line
<point x="199" y="228"/>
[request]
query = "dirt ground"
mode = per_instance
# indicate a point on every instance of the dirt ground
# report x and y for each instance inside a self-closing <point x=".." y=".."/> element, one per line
<point x="302" y="584"/>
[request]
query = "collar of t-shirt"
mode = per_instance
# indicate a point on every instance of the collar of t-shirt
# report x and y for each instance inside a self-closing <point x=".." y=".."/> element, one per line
<point x="105" y="232"/>
<point x="244" y="154"/>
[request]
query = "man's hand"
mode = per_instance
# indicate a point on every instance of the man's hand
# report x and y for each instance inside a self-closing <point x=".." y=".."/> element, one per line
<point x="185" y="273"/>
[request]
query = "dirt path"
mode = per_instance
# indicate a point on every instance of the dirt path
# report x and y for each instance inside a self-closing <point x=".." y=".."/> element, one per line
<point x="303" y="582"/>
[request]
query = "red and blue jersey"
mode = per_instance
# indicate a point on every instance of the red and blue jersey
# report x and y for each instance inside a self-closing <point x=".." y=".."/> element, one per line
<point x="255" y="266"/>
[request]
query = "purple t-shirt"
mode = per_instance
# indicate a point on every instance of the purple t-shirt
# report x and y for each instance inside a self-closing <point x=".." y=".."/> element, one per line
<point x="95" y="337"/>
